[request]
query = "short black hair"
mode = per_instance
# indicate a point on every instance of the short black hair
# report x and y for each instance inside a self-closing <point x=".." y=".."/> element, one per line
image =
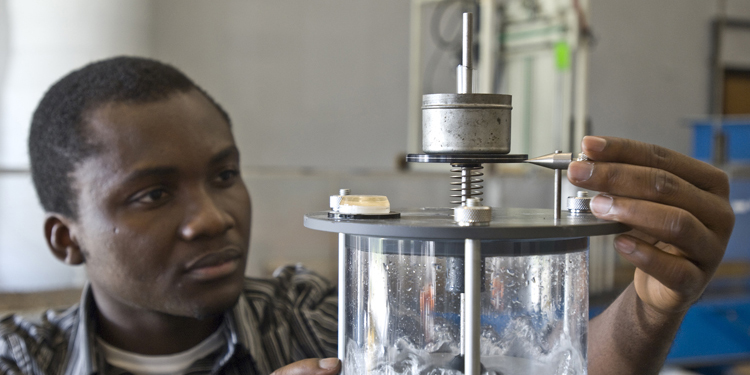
<point x="58" y="138"/>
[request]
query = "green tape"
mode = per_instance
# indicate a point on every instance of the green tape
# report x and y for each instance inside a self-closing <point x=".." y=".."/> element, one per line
<point x="562" y="55"/>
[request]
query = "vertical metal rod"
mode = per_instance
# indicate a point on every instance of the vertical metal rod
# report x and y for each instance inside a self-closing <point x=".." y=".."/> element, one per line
<point x="468" y="30"/>
<point x="467" y="44"/>
<point x="558" y="192"/>
<point x="462" y="344"/>
<point x="472" y="281"/>
<point x="569" y="295"/>
<point x="342" y="300"/>
<point x="488" y="45"/>
<point x="558" y="183"/>
<point x="580" y="86"/>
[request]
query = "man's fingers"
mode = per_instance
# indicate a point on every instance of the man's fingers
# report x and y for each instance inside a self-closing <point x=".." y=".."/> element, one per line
<point x="652" y="184"/>
<point x="678" y="274"/>
<point x="669" y="224"/>
<point x="642" y="236"/>
<point x="312" y="366"/>
<point x="618" y="150"/>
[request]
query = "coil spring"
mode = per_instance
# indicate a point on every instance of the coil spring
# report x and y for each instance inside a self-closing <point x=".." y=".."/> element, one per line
<point x="468" y="186"/>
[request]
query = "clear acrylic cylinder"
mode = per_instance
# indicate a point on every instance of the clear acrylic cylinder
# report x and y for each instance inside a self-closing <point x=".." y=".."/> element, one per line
<point x="403" y="306"/>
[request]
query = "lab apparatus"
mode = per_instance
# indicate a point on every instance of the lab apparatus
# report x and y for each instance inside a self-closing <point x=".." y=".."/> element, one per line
<point x="471" y="289"/>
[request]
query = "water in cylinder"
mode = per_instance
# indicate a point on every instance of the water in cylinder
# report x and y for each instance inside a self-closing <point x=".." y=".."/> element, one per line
<point x="404" y="303"/>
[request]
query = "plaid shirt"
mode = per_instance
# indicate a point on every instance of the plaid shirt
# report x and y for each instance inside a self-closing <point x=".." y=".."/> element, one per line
<point x="275" y="322"/>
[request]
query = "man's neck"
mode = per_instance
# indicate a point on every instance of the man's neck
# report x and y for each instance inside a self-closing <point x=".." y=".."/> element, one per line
<point x="148" y="332"/>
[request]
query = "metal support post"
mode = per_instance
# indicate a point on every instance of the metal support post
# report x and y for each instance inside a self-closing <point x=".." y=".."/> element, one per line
<point x="472" y="264"/>
<point x="558" y="192"/>
<point x="342" y="299"/>
<point x="465" y="79"/>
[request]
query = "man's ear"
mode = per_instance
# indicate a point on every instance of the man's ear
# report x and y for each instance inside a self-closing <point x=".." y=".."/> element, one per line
<point x="61" y="240"/>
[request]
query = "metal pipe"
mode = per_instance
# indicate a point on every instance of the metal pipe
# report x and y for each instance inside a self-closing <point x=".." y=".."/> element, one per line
<point x="558" y="198"/>
<point x="472" y="262"/>
<point x="466" y="61"/>
<point x="468" y="30"/>
<point x="558" y="192"/>
<point x="569" y="297"/>
<point x="580" y="86"/>
<point x="342" y="299"/>
<point x="462" y="344"/>
<point x="488" y="45"/>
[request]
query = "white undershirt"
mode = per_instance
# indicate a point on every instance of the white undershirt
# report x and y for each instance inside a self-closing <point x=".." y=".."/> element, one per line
<point x="177" y="363"/>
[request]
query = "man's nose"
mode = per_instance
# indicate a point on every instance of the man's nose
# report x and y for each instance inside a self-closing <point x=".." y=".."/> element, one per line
<point x="205" y="218"/>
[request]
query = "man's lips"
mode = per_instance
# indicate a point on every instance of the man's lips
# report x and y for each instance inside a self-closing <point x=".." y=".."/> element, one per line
<point x="215" y="264"/>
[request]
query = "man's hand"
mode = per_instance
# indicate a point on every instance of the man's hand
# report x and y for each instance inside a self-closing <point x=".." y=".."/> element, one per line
<point x="679" y="210"/>
<point x="313" y="366"/>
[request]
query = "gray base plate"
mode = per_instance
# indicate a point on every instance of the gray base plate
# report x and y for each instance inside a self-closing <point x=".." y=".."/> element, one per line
<point x="437" y="223"/>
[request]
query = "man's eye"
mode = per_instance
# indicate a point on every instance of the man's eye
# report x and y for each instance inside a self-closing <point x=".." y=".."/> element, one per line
<point x="152" y="196"/>
<point x="228" y="175"/>
<point x="155" y="195"/>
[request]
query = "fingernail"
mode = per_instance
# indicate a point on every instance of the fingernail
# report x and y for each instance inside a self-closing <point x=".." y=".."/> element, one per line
<point x="328" y="363"/>
<point x="624" y="245"/>
<point x="601" y="204"/>
<point x="581" y="171"/>
<point x="594" y="143"/>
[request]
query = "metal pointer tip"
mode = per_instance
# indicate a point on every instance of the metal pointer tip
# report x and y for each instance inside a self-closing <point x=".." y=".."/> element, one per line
<point x="553" y="161"/>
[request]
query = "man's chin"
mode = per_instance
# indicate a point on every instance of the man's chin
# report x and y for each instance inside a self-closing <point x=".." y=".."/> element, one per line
<point x="216" y="302"/>
<point x="209" y="313"/>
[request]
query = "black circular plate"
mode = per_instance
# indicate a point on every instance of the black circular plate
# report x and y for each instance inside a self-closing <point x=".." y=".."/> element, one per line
<point x="338" y="215"/>
<point x="466" y="158"/>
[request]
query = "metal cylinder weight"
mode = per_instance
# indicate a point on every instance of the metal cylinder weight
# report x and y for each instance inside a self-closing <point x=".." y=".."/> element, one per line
<point x="466" y="123"/>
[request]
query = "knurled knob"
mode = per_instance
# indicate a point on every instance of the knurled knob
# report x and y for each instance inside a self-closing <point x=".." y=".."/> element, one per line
<point x="473" y="213"/>
<point x="581" y="203"/>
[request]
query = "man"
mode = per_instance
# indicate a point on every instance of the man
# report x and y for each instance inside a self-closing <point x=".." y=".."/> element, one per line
<point x="138" y="171"/>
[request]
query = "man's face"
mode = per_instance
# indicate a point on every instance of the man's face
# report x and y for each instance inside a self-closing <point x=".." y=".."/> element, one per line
<point x="164" y="217"/>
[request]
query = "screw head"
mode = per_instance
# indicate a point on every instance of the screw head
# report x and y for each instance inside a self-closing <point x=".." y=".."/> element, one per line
<point x="334" y="201"/>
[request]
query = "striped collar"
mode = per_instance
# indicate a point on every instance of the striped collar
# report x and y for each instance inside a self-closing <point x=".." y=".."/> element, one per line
<point x="82" y="339"/>
<point x="275" y="322"/>
<point x="83" y="357"/>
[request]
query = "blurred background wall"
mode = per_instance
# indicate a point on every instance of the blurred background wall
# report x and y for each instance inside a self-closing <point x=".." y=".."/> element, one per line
<point x="319" y="96"/>
<point x="41" y="41"/>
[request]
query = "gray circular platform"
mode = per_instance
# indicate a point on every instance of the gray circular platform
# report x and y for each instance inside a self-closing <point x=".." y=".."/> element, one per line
<point x="437" y="223"/>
